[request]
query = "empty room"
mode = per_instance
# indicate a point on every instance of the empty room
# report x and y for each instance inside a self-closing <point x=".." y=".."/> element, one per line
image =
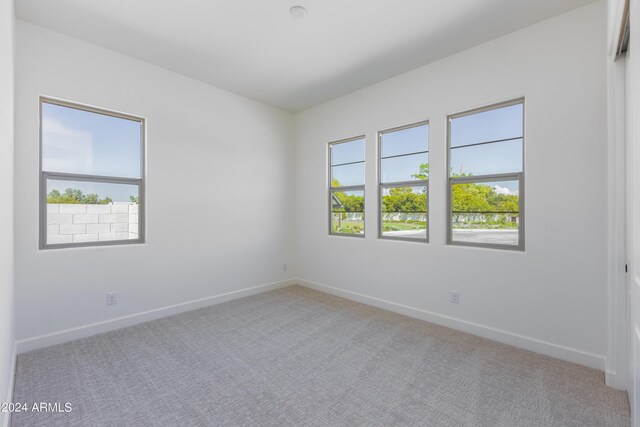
<point x="320" y="213"/>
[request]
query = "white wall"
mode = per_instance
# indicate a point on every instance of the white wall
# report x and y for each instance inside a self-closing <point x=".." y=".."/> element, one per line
<point x="226" y="156"/>
<point x="551" y="298"/>
<point x="6" y="213"/>
<point x="633" y="208"/>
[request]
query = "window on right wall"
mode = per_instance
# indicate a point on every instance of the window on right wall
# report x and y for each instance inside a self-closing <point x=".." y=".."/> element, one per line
<point x="486" y="177"/>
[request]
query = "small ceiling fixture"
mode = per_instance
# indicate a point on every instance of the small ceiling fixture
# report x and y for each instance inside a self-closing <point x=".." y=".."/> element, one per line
<point x="298" y="12"/>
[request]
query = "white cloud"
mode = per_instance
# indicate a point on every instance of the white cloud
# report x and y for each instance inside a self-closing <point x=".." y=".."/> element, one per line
<point x="504" y="190"/>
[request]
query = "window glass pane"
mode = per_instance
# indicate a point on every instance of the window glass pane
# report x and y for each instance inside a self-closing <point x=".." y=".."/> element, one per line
<point x="493" y="125"/>
<point x="405" y="168"/>
<point x="347" y="152"/>
<point x="352" y="174"/>
<point x="405" y="141"/>
<point x="83" y="142"/>
<point x="347" y="212"/>
<point x="487" y="159"/>
<point x="404" y="212"/>
<point x="80" y="211"/>
<point x="486" y="212"/>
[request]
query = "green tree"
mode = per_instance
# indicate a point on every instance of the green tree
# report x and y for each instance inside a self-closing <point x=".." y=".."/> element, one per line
<point x="479" y="203"/>
<point x="471" y="198"/>
<point x="423" y="172"/>
<point x="404" y="199"/>
<point x="341" y="204"/>
<point x="347" y="202"/>
<point x="352" y="202"/>
<point x="75" y="196"/>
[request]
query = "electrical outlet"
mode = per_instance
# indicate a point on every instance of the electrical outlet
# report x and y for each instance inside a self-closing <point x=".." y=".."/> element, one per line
<point x="284" y="267"/>
<point x="111" y="298"/>
<point x="455" y="297"/>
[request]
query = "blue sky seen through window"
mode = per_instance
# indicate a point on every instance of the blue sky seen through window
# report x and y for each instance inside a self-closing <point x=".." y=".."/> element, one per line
<point x="397" y="151"/>
<point x="398" y="169"/>
<point x="405" y="141"/>
<point x="347" y="152"/>
<point x="351" y="174"/>
<point x="492" y="125"/>
<point x="83" y="142"/>
<point x="499" y="157"/>
<point x="347" y="162"/>
<point x="493" y="158"/>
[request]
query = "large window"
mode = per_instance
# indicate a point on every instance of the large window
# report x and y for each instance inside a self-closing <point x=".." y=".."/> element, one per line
<point x="404" y="182"/>
<point x="486" y="177"/>
<point x="346" y="187"/>
<point x="91" y="176"/>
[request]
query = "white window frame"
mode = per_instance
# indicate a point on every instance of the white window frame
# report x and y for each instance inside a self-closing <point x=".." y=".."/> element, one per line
<point x="346" y="188"/>
<point x="519" y="176"/>
<point x="413" y="183"/>
<point x="47" y="175"/>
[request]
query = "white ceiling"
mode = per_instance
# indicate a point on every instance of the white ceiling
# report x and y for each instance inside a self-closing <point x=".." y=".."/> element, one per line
<point x="255" y="48"/>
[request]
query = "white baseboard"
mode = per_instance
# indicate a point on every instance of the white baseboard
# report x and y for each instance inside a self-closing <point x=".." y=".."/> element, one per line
<point x="12" y="376"/>
<point x="613" y="380"/>
<point x="84" y="331"/>
<point x="590" y="360"/>
<point x="532" y="344"/>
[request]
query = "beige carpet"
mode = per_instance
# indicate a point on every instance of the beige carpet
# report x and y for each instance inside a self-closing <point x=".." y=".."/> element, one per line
<point x="296" y="357"/>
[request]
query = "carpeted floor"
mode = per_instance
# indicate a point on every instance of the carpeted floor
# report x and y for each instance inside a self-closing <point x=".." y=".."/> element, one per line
<point x="296" y="357"/>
